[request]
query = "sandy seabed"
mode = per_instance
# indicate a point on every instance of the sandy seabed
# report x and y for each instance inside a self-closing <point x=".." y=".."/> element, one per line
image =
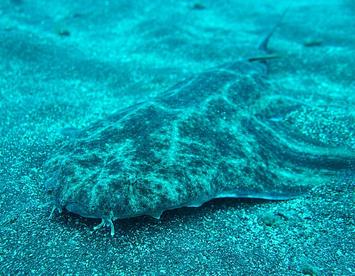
<point x="68" y="63"/>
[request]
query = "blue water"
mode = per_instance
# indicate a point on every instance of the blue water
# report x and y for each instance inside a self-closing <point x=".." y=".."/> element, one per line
<point x="258" y="125"/>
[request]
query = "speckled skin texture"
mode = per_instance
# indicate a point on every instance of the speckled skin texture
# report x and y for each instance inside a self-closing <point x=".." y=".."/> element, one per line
<point x="217" y="134"/>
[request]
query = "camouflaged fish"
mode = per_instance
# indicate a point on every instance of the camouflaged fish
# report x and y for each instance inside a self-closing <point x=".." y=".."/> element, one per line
<point x="217" y="134"/>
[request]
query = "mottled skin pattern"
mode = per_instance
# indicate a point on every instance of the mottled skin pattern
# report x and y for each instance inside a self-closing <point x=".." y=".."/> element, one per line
<point x="216" y="134"/>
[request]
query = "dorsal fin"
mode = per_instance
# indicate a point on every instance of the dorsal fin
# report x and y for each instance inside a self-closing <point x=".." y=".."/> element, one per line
<point x="263" y="46"/>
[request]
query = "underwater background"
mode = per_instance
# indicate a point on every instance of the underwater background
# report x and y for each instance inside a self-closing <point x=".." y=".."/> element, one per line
<point x="66" y="64"/>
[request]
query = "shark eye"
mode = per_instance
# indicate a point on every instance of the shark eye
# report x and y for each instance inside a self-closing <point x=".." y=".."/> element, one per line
<point x="51" y="184"/>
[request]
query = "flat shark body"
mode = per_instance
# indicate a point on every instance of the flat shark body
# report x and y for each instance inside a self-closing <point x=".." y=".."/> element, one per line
<point x="216" y="134"/>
